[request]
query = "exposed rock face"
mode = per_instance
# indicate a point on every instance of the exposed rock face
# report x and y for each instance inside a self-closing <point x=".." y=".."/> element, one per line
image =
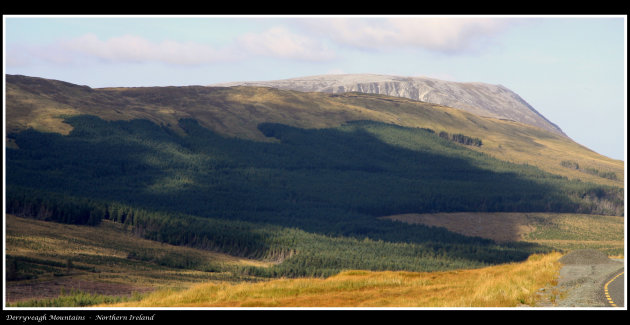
<point x="475" y="97"/>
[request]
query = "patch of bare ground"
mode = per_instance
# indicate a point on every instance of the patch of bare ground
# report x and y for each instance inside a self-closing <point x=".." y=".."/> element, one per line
<point x="499" y="226"/>
<point x="560" y="231"/>
<point x="582" y="278"/>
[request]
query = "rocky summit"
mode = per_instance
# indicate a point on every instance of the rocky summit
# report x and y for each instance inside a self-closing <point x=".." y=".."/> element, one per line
<point x="475" y="97"/>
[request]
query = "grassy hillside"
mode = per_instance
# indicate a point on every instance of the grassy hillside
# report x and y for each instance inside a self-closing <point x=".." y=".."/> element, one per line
<point x="303" y="178"/>
<point x="45" y="259"/>
<point x="42" y="104"/>
<point x="507" y="285"/>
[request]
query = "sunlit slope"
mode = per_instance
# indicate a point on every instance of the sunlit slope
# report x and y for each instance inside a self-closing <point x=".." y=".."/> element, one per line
<point x="42" y="104"/>
<point x="507" y="285"/>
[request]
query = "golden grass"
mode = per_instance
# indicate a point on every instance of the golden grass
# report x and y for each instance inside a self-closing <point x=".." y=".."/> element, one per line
<point x="508" y="285"/>
<point x="106" y="249"/>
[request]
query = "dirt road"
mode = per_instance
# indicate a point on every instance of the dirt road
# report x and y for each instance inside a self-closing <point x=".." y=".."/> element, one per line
<point x="581" y="283"/>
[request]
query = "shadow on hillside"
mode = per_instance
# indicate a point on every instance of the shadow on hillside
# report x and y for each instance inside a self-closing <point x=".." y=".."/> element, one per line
<point x="333" y="182"/>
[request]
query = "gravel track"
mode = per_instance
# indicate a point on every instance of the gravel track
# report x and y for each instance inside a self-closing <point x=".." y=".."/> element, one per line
<point x="582" y="279"/>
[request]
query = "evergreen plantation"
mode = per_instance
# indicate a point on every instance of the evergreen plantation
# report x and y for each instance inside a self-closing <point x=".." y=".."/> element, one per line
<point x="311" y="198"/>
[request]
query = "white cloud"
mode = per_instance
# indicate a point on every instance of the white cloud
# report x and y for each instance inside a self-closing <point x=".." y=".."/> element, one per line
<point x="441" y="34"/>
<point x="315" y="43"/>
<point x="281" y="43"/>
<point x="275" y="42"/>
<point x="130" y="48"/>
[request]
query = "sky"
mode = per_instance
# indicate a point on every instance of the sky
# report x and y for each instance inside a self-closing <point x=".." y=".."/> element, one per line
<point x="571" y="69"/>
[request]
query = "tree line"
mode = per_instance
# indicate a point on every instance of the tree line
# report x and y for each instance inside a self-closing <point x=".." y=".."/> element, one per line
<point x="460" y="138"/>
<point x="300" y="253"/>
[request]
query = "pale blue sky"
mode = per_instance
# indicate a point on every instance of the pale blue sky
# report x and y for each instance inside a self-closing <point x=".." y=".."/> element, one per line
<point x="572" y="69"/>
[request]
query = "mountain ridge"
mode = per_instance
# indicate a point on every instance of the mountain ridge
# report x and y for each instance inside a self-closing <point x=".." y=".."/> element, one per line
<point x="42" y="104"/>
<point x="476" y="97"/>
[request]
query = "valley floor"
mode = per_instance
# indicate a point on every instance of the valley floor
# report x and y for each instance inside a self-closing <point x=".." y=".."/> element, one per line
<point x="56" y="259"/>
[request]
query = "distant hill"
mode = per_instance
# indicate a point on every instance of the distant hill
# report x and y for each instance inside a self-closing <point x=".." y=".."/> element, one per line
<point x="43" y="104"/>
<point x="475" y="97"/>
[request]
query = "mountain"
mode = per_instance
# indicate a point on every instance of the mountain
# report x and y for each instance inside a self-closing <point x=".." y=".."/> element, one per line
<point x="299" y="178"/>
<point x="475" y="97"/>
<point x="42" y="104"/>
